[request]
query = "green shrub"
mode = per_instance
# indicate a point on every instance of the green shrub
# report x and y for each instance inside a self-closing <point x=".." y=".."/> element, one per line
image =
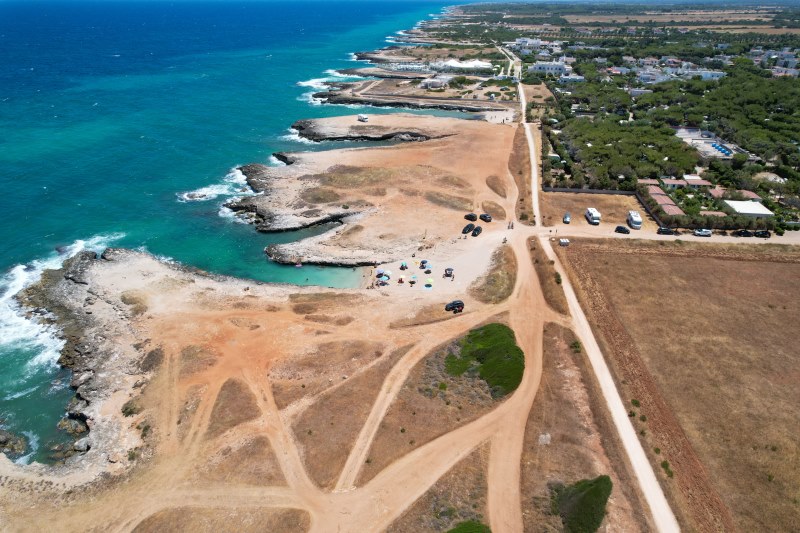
<point x="471" y="526"/>
<point x="131" y="408"/>
<point x="582" y="506"/>
<point x="635" y="403"/>
<point x="493" y="353"/>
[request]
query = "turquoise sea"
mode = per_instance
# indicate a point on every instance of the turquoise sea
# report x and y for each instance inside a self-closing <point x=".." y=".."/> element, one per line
<point x="111" y="111"/>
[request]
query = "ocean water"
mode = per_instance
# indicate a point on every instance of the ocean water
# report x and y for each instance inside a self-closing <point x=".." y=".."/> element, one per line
<point x="110" y="112"/>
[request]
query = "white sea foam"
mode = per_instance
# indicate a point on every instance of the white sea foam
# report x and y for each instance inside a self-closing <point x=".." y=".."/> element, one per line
<point x="232" y="184"/>
<point x="231" y="215"/>
<point x="20" y="394"/>
<point x="294" y="136"/>
<point x="18" y="332"/>
<point x="309" y="98"/>
<point x="33" y="446"/>
<point x="316" y="83"/>
<point x="353" y="57"/>
<point x="275" y="162"/>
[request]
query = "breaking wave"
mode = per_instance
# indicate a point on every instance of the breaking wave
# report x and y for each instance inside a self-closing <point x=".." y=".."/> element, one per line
<point x="234" y="183"/>
<point x="18" y="332"/>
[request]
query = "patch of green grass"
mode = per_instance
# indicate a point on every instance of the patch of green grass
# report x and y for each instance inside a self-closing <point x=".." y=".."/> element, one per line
<point x="582" y="506"/>
<point x="471" y="526"/>
<point x="576" y="346"/>
<point x="492" y="351"/>
<point x="456" y="366"/>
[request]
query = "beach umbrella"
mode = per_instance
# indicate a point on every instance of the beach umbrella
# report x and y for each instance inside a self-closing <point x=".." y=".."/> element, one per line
<point x="380" y="271"/>
<point x="384" y="278"/>
<point x="429" y="280"/>
<point x="423" y="261"/>
<point x="388" y="273"/>
<point x="414" y="276"/>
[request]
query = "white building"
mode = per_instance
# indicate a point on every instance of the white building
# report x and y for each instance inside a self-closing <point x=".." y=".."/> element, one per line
<point x="552" y="68"/>
<point x="749" y="209"/>
<point x="453" y="65"/>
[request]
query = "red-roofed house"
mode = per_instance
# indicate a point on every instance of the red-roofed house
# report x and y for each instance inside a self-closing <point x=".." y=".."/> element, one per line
<point x="672" y="183"/>
<point x="696" y="184"/>
<point x="749" y="195"/>
<point x="654" y="189"/>
<point x="717" y="192"/>
<point x="648" y="181"/>
<point x="672" y="210"/>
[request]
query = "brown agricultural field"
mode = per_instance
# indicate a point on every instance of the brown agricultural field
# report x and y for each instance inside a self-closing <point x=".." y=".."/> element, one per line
<point x="701" y="342"/>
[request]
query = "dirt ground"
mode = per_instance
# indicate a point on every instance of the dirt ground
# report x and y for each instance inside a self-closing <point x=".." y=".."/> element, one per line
<point x="326" y="432"/>
<point x="431" y="403"/>
<point x="457" y="497"/>
<point x="720" y="404"/>
<point x="613" y="208"/>
<point x="565" y="442"/>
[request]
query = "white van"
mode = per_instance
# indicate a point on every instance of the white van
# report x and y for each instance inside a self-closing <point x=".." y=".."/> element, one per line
<point x="593" y="216"/>
<point x="634" y="220"/>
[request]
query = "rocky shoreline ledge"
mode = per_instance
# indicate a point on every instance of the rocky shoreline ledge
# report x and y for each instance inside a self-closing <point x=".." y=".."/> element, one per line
<point x="92" y="326"/>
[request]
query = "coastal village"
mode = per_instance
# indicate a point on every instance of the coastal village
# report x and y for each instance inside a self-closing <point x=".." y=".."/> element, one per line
<point x="575" y="309"/>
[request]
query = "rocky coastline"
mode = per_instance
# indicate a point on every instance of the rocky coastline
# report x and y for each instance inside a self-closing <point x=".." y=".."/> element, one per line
<point x="347" y="98"/>
<point x="90" y="326"/>
<point x="316" y="131"/>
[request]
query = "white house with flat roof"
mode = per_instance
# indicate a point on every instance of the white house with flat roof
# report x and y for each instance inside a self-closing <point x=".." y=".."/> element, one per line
<point x="749" y="209"/>
<point x="553" y="68"/>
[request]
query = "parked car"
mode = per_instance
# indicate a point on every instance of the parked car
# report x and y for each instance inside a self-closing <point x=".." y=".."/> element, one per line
<point x="622" y="229"/>
<point x="456" y="306"/>
<point x="663" y="230"/>
<point x="702" y="232"/>
<point x="742" y="233"/>
<point x="567" y="218"/>
<point x="471" y="216"/>
<point x="448" y="272"/>
<point x="477" y="231"/>
<point x="486" y="217"/>
<point x="468" y="228"/>
<point x="763" y="233"/>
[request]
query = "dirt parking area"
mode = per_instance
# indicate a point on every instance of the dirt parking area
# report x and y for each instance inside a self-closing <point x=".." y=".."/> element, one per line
<point x="613" y="208"/>
<point x="701" y="341"/>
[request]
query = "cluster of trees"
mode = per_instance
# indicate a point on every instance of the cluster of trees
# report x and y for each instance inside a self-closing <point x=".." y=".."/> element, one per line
<point x="759" y="113"/>
<point x="614" y="155"/>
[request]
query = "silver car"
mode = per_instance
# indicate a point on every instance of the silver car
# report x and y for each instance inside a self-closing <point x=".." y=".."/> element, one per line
<point x="567" y="218"/>
<point x="702" y="233"/>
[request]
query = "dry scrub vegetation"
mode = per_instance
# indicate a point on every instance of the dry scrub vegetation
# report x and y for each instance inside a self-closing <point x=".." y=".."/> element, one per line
<point x="497" y="284"/>
<point x="569" y="436"/>
<point x="519" y="164"/>
<point x="460" y="495"/>
<point x="701" y="342"/>
<point x="549" y="279"/>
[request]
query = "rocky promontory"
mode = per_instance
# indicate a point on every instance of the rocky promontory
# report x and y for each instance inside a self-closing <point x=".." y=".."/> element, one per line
<point x="355" y="130"/>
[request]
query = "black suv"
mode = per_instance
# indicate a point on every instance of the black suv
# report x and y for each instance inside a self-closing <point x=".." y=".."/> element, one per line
<point x="763" y="233"/>
<point x="477" y="231"/>
<point x="472" y="217"/>
<point x="622" y="229"/>
<point x="743" y="233"/>
<point x="456" y="306"/>
<point x="665" y="231"/>
<point x="468" y="228"/>
<point x="486" y="217"/>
